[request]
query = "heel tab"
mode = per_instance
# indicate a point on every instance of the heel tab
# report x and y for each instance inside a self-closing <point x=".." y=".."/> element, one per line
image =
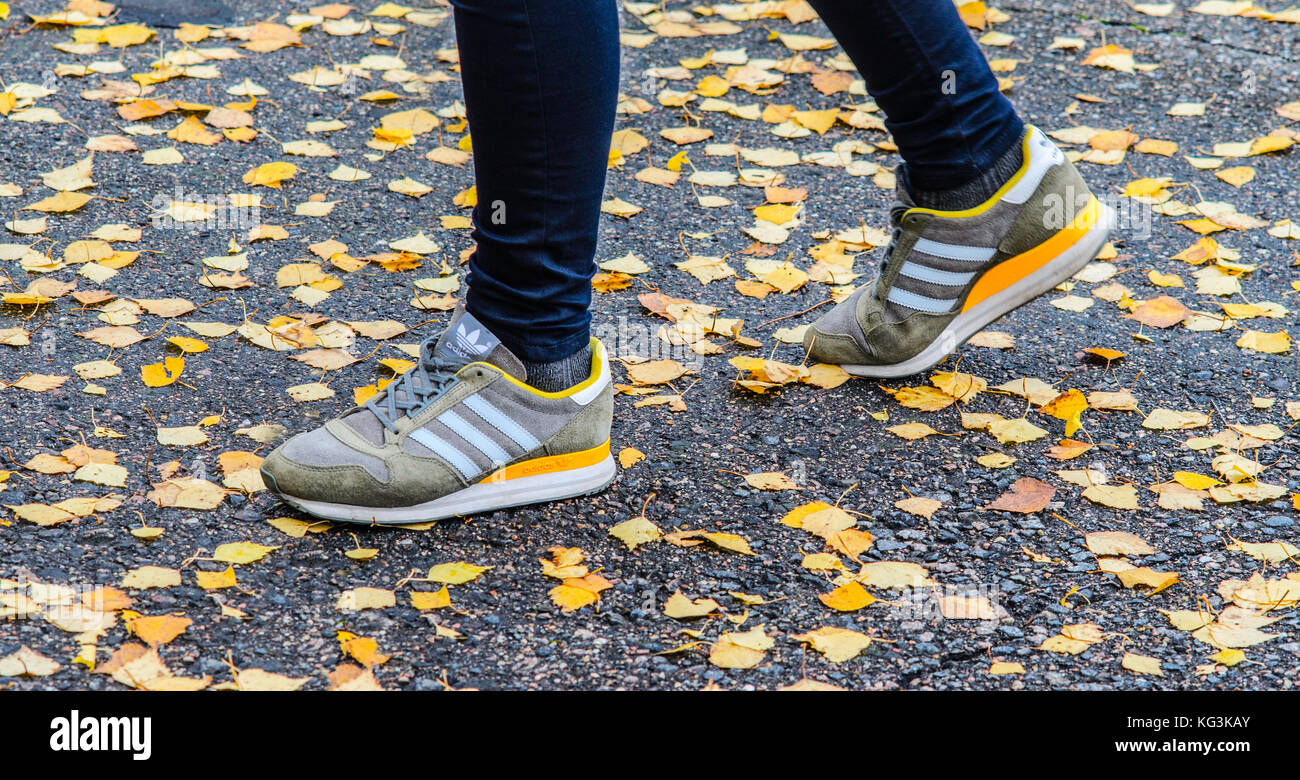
<point x="599" y="372"/>
<point x="1041" y="155"/>
<point x="1038" y="143"/>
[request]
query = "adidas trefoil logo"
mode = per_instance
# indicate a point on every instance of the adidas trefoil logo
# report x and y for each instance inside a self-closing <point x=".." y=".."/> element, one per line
<point x="467" y="342"/>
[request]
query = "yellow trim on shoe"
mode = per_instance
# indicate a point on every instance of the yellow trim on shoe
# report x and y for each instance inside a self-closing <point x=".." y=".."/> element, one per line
<point x="988" y="204"/>
<point x="1013" y="269"/>
<point x="597" y="372"/>
<point x="550" y="464"/>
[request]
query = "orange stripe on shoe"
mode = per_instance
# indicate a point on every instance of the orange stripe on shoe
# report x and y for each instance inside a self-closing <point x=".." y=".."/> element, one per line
<point x="1013" y="269"/>
<point x="550" y="464"/>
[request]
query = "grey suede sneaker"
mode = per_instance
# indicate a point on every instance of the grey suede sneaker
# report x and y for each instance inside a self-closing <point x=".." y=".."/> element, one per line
<point x="949" y="274"/>
<point x="461" y="432"/>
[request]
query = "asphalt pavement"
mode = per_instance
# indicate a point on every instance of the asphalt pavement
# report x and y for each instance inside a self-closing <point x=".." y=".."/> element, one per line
<point x="503" y="629"/>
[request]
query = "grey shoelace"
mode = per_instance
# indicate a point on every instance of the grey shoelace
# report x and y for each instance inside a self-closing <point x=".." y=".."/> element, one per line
<point x="412" y="391"/>
<point x="896" y="212"/>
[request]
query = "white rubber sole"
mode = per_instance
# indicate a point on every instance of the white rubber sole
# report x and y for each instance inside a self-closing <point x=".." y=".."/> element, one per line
<point x="479" y="497"/>
<point x="993" y="308"/>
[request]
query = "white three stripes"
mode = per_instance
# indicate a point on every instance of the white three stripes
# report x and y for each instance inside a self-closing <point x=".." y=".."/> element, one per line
<point x="919" y="302"/>
<point x="970" y="254"/>
<point x="474" y="437"/>
<point x="502" y="422"/>
<point x="447" y="452"/>
<point x="924" y="273"/>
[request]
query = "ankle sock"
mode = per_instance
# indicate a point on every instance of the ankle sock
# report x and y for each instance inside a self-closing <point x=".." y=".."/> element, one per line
<point x="557" y="375"/>
<point x="975" y="192"/>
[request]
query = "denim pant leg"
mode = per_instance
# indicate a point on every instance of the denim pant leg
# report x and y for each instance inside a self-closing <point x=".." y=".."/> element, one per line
<point x="541" y="81"/>
<point x="941" y="101"/>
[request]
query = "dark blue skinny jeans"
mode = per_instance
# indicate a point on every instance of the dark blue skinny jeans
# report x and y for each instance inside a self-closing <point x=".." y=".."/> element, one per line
<point x="541" y="81"/>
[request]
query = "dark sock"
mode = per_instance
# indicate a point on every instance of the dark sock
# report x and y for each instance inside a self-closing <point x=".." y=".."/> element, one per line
<point x="557" y="375"/>
<point x="974" y="192"/>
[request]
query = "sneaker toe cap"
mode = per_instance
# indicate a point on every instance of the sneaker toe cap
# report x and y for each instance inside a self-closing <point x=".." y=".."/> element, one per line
<point x="836" y="348"/>
<point x="316" y="465"/>
<point x="836" y="336"/>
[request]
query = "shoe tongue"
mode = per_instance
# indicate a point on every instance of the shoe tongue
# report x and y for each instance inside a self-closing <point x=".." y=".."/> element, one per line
<point x="902" y="185"/>
<point x="468" y="339"/>
<point x="902" y="201"/>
